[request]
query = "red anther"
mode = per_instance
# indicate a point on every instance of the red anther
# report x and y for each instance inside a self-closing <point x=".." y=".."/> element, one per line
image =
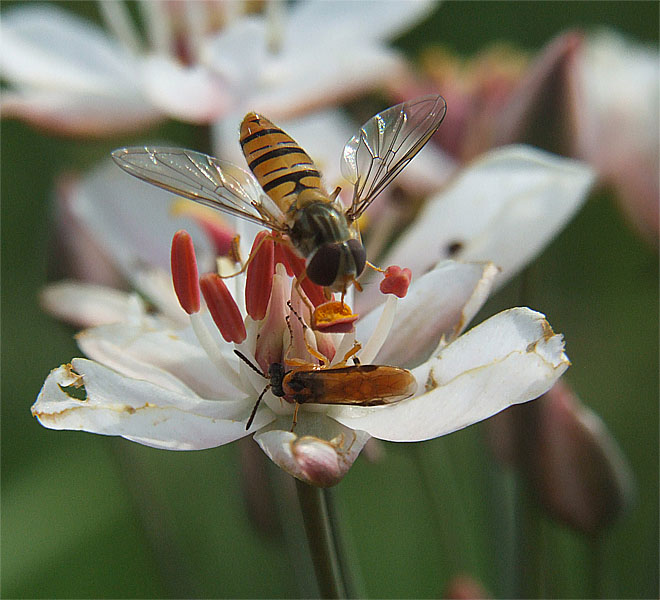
<point x="184" y="272"/>
<point x="280" y="257"/>
<point x="223" y="308"/>
<point x="396" y="281"/>
<point x="260" y="271"/>
<point x="313" y="291"/>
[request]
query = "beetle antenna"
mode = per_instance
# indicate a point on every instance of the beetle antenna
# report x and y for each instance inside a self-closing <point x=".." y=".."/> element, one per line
<point x="256" y="405"/>
<point x="249" y="363"/>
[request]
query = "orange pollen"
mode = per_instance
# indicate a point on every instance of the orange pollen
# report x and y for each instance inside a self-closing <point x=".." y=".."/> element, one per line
<point x="223" y="308"/>
<point x="333" y="317"/>
<point x="396" y="281"/>
<point x="260" y="271"/>
<point x="184" y="272"/>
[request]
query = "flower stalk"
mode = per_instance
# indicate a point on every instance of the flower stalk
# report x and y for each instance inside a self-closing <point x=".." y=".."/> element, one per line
<point x="323" y="544"/>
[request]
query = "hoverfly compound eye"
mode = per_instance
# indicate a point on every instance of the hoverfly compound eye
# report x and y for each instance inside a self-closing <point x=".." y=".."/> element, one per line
<point x="324" y="266"/>
<point x="359" y="255"/>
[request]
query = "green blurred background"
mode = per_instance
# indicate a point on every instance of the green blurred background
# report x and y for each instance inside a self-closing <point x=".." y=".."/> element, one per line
<point x="89" y="516"/>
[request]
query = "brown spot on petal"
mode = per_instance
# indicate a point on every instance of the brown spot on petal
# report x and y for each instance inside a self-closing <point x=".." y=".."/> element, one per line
<point x="547" y="330"/>
<point x="431" y="382"/>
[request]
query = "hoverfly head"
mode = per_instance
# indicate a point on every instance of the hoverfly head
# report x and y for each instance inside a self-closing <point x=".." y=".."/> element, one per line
<point x="337" y="264"/>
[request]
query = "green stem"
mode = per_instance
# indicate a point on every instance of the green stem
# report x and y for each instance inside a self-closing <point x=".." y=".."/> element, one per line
<point x="596" y="567"/>
<point x="322" y="543"/>
<point x="345" y="550"/>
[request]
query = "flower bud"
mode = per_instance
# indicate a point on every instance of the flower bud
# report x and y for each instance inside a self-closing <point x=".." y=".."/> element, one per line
<point x="573" y="466"/>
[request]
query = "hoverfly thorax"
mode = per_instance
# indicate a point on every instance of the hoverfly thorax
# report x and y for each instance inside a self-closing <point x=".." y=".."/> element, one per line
<point x="332" y="248"/>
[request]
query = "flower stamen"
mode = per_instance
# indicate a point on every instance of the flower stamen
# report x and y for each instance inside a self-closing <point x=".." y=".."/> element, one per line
<point x="223" y="308"/>
<point x="184" y="272"/>
<point x="259" y="282"/>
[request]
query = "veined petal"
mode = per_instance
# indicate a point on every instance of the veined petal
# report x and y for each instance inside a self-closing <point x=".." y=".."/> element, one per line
<point x="440" y="303"/>
<point x="319" y="451"/>
<point x="503" y="208"/>
<point x="511" y="358"/>
<point x="116" y="405"/>
<point x="159" y="355"/>
<point x="48" y="48"/>
<point x="191" y="94"/>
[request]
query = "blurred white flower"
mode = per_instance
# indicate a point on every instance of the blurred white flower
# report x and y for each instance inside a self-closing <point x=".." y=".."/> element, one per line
<point x="616" y="107"/>
<point x="200" y="61"/>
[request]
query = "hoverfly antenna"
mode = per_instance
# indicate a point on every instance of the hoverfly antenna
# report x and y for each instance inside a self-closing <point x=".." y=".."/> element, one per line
<point x="250" y="364"/>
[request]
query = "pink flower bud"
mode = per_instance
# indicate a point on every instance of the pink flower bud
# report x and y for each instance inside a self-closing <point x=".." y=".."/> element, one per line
<point x="573" y="466"/>
<point x="318" y="461"/>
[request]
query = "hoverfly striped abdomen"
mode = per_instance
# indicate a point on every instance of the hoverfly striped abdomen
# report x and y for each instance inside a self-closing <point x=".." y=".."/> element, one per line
<point x="282" y="167"/>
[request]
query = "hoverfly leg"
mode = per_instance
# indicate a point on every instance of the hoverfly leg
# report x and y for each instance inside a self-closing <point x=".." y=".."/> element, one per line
<point x="302" y="294"/>
<point x="313" y="351"/>
<point x="249" y="258"/>
<point x="336" y="193"/>
<point x="374" y="267"/>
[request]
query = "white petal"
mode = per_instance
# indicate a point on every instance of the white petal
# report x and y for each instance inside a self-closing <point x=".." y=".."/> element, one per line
<point x="75" y="114"/>
<point x="48" y="48"/>
<point x="340" y="23"/>
<point x="440" y="303"/>
<point x="164" y="357"/>
<point x="511" y="358"/>
<point x="191" y="94"/>
<point x="132" y="221"/>
<point x="85" y="304"/>
<point x="137" y="409"/>
<point x="319" y="451"/>
<point x="298" y="83"/>
<point x="503" y="208"/>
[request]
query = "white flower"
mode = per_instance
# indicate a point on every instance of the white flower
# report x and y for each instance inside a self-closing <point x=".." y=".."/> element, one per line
<point x="185" y="389"/>
<point x="200" y="61"/>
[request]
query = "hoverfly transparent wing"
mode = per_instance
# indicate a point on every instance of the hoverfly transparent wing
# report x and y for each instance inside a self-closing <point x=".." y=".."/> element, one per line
<point x="204" y="179"/>
<point x="385" y="144"/>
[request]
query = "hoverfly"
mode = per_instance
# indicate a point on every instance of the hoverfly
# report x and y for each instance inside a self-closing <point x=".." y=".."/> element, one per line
<point x="359" y="385"/>
<point x="285" y="194"/>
